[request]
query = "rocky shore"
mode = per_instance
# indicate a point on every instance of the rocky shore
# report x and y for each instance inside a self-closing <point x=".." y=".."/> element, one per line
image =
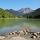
<point x="24" y="34"/>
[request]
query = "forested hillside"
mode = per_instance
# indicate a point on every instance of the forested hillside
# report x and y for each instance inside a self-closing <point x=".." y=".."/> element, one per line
<point x="34" y="14"/>
<point x="5" y="14"/>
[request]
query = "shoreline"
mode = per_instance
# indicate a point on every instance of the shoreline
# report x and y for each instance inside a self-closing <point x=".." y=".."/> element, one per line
<point x="24" y="34"/>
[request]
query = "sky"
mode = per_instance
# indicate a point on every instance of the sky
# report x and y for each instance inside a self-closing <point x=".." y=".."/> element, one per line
<point x="18" y="4"/>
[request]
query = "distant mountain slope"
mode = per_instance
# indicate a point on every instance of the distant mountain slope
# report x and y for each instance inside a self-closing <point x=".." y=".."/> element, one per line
<point x="20" y="12"/>
<point x="5" y="14"/>
<point x="14" y="12"/>
<point x="25" y="10"/>
<point x="34" y="14"/>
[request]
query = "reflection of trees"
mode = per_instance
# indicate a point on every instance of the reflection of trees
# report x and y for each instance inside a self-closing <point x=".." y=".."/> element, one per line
<point x="2" y="21"/>
<point x="5" y="22"/>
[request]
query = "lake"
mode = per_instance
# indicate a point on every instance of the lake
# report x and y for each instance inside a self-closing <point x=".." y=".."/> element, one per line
<point x="9" y="25"/>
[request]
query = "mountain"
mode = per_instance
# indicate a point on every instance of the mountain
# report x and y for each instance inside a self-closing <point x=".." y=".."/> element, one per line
<point x="14" y="12"/>
<point x="20" y="12"/>
<point x="10" y="13"/>
<point x="25" y="10"/>
<point x="34" y="14"/>
<point x="5" y="14"/>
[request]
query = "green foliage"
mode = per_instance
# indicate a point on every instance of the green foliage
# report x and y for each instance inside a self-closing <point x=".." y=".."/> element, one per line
<point x="34" y="14"/>
<point x="6" y="14"/>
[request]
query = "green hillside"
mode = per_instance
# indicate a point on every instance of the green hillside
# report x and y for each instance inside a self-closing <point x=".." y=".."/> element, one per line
<point x="6" y="14"/>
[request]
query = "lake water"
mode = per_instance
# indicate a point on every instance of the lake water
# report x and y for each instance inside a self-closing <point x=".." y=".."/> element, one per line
<point x="8" y="25"/>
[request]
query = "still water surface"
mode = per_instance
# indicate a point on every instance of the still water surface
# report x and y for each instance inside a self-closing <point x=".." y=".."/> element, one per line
<point x="8" y="25"/>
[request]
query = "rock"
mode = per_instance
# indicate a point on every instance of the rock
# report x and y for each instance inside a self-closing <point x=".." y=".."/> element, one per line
<point x="33" y="37"/>
<point x="17" y="38"/>
<point x="10" y="33"/>
<point x="38" y="33"/>
<point x="2" y="37"/>
<point x="38" y="36"/>
<point x="21" y="33"/>
<point x="24" y="34"/>
<point x="17" y="33"/>
<point x="35" y="34"/>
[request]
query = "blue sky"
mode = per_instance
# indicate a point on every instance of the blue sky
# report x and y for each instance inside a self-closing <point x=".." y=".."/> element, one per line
<point x="17" y="4"/>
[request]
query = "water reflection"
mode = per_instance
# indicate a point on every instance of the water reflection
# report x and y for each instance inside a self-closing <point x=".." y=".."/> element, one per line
<point x="8" y="25"/>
